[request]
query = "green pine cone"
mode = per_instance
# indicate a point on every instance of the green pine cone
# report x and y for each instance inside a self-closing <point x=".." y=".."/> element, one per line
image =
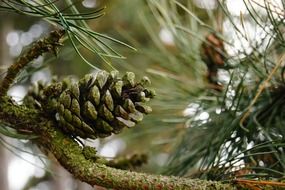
<point x="98" y="105"/>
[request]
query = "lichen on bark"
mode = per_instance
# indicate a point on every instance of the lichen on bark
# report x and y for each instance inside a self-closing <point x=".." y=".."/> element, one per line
<point x="70" y="155"/>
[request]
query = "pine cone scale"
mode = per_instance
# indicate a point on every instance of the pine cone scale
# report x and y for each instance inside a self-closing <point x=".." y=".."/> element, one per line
<point x="98" y="105"/>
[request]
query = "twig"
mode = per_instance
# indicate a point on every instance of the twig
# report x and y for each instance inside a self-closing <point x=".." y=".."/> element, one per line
<point x="260" y="90"/>
<point x="48" y="44"/>
<point x="255" y="182"/>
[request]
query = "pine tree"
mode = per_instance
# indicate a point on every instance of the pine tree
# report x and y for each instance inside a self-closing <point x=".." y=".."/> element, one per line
<point x="217" y="107"/>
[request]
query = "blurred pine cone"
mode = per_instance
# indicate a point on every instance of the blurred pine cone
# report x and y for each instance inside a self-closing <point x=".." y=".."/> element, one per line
<point x="98" y="105"/>
<point x="213" y="53"/>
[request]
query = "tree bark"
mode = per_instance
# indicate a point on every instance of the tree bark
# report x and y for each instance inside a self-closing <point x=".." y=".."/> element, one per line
<point x="70" y="156"/>
<point x="5" y="60"/>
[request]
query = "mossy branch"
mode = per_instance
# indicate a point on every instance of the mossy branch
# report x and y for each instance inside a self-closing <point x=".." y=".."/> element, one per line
<point x="68" y="152"/>
<point x="48" y="44"/>
<point x="70" y="155"/>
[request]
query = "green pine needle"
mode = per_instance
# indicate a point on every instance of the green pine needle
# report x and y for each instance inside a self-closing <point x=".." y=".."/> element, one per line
<point x="73" y="22"/>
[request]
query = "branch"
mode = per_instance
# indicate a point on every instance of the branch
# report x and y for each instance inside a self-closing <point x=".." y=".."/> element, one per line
<point x="48" y="44"/>
<point x="70" y="155"/>
<point x="67" y="151"/>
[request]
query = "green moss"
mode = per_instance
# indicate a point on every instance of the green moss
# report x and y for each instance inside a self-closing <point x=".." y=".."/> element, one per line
<point x="90" y="153"/>
<point x="77" y="160"/>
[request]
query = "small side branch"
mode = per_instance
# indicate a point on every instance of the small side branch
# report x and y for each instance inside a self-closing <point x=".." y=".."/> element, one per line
<point x="48" y="44"/>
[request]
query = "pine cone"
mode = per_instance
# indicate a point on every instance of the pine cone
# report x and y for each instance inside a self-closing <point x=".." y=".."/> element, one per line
<point x="98" y="105"/>
<point x="213" y="53"/>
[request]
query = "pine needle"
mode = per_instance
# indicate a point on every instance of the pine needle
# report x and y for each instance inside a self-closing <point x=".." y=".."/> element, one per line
<point x="260" y="90"/>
